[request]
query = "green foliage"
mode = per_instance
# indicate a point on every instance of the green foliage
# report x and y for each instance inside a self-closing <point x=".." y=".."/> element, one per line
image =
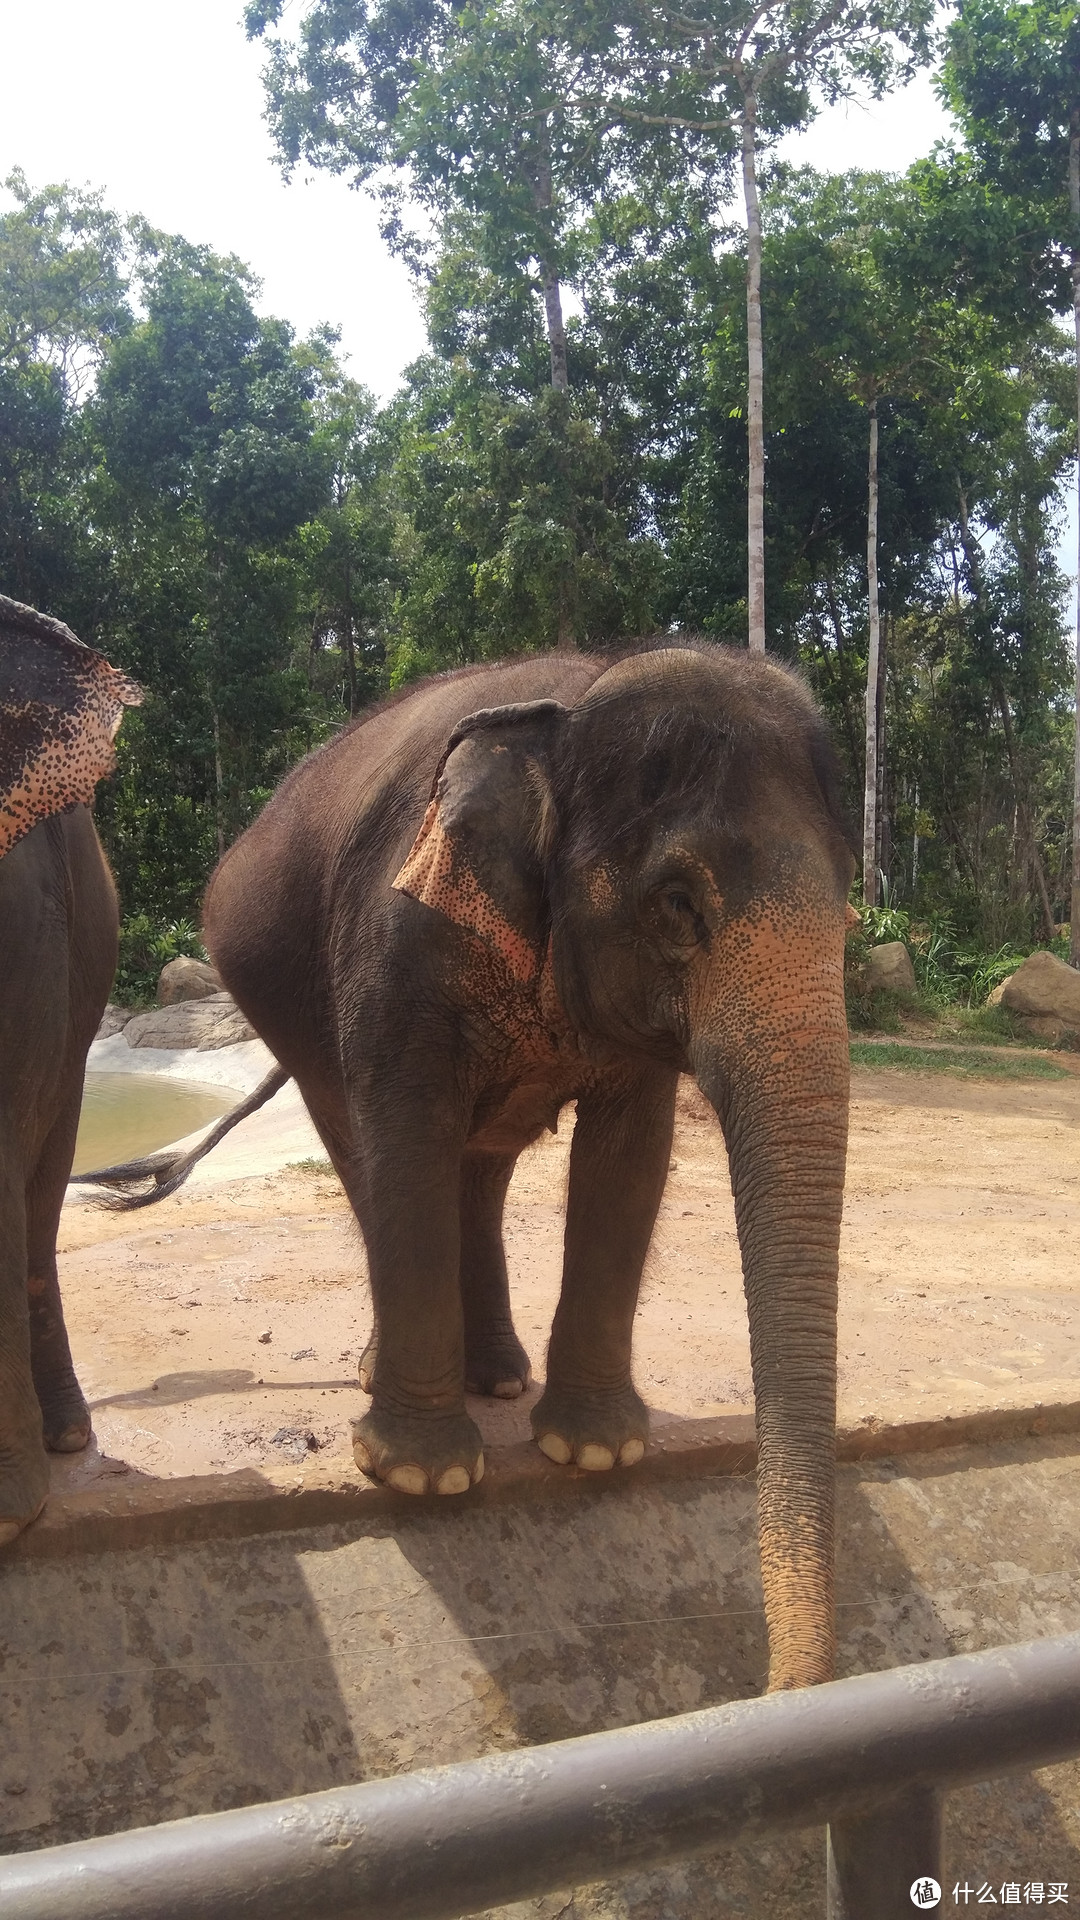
<point x="872" y="1009"/>
<point x="147" y="945"/>
<point x="231" y="517"/>
<point x="1012" y="77"/>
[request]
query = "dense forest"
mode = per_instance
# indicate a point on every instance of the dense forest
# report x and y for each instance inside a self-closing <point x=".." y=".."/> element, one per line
<point x="616" y="365"/>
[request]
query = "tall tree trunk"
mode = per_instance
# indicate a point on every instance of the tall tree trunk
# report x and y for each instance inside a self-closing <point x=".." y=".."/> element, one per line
<point x="883" y="847"/>
<point x="755" y="504"/>
<point x="1074" y="208"/>
<point x="565" y="637"/>
<point x="556" y="327"/>
<point x="873" y="659"/>
<point x="543" y="198"/>
<point x="1019" y="787"/>
<point x="1045" y="909"/>
<point x="219" y="779"/>
<point x="350" y="642"/>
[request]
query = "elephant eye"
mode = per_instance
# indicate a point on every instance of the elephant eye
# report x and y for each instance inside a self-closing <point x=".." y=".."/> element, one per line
<point x="678" y="920"/>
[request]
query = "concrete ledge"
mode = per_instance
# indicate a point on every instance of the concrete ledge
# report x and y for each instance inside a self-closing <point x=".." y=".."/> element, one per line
<point x="145" y="1513"/>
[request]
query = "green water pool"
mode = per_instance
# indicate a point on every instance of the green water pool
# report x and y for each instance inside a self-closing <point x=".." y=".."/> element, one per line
<point x="125" y="1115"/>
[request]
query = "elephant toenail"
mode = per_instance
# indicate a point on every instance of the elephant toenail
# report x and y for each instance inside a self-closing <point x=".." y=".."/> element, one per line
<point x="72" y="1440"/>
<point x="478" y="1470"/>
<point x="630" y="1452"/>
<point x="8" y="1531"/>
<point x="556" y="1448"/>
<point x="454" y="1480"/>
<point x="362" y="1457"/>
<point x="366" y="1378"/>
<point x="595" y="1459"/>
<point x="508" y="1389"/>
<point x="408" y="1479"/>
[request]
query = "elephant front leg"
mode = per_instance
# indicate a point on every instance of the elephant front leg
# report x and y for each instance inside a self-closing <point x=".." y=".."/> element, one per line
<point x="590" y="1412"/>
<point x="417" y="1436"/>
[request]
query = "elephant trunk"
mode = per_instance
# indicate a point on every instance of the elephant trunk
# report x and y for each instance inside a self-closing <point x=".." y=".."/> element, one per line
<point x="774" y="1063"/>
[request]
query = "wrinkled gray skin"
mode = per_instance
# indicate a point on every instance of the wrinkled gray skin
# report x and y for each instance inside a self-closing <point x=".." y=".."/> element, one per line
<point x="58" y="936"/>
<point x="635" y="868"/>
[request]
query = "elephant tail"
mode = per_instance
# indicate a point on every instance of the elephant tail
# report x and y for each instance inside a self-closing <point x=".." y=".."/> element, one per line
<point x="169" y="1170"/>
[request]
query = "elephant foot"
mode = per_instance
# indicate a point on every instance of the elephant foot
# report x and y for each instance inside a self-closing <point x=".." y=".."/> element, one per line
<point x="595" y="1430"/>
<point x="65" y="1419"/>
<point x="496" y="1364"/>
<point x="419" y="1452"/>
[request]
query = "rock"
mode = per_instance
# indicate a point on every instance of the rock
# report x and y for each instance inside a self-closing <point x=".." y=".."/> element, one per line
<point x="204" y="1024"/>
<point x="890" y="966"/>
<point x="1044" y="1026"/>
<point x="114" y="1020"/>
<point x="1045" y="993"/>
<point x="994" y="999"/>
<point x="186" y="979"/>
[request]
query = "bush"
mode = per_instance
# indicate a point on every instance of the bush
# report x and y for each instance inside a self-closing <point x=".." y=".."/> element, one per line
<point x="949" y="969"/>
<point x="146" y="945"/>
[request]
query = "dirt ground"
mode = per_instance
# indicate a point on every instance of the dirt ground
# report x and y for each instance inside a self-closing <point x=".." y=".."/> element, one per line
<point x="958" y="1287"/>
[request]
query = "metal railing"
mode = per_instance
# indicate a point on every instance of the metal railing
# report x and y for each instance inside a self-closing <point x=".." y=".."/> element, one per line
<point x="871" y="1755"/>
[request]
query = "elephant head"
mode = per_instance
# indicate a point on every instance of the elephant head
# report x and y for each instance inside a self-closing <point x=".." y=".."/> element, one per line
<point x="60" y="707"/>
<point x="672" y="844"/>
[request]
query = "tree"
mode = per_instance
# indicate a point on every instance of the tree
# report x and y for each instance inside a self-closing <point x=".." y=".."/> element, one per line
<point x="348" y="564"/>
<point x="751" y="70"/>
<point x="209" y="464"/>
<point x="1012" y="76"/>
<point x="523" y="113"/>
<point x="63" y="261"/>
<point x="472" y="108"/>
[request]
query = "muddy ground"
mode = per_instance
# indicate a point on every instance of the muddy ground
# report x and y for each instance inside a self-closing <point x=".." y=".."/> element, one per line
<point x="958" y="1287"/>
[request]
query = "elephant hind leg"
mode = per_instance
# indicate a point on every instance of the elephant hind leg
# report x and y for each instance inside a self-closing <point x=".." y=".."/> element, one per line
<point x="496" y="1363"/>
<point x="64" y="1412"/>
<point x="24" y="1466"/>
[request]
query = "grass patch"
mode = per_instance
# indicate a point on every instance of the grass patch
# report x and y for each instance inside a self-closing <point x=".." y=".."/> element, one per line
<point x="310" y="1166"/>
<point x="983" y="1026"/>
<point x="966" y="1063"/>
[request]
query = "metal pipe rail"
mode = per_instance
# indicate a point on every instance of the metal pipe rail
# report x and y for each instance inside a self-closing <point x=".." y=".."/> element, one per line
<point x="871" y="1754"/>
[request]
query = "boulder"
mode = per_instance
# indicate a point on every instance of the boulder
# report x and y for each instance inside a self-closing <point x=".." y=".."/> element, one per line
<point x="114" y="1020"/>
<point x="186" y="979"/>
<point x="202" y="1024"/>
<point x="994" y="999"/>
<point x="1045" y="994"/>
<point x="890" y="966"/>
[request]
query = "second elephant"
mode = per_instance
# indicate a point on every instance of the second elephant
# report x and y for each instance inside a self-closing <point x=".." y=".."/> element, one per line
<point x="555" y="879"/>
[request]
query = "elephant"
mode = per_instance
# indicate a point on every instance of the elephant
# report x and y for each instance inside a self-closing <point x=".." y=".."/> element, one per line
<point x="60" y="706"/>
<point x="555" y="879"/>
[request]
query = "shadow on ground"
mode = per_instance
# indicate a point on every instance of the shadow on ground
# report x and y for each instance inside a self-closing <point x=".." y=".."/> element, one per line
<point x="140" y="1685"/>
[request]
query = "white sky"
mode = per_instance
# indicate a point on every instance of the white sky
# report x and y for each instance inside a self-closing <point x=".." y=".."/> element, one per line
<point x="161" y="105"/>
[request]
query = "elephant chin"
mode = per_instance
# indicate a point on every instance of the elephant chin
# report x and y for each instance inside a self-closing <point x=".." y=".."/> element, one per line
<point x="777" y="1075"/>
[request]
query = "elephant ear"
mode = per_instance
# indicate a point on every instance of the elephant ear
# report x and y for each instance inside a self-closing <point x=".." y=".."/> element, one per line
<point x="61" y="705"/>
<point x="479" y="855"/>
